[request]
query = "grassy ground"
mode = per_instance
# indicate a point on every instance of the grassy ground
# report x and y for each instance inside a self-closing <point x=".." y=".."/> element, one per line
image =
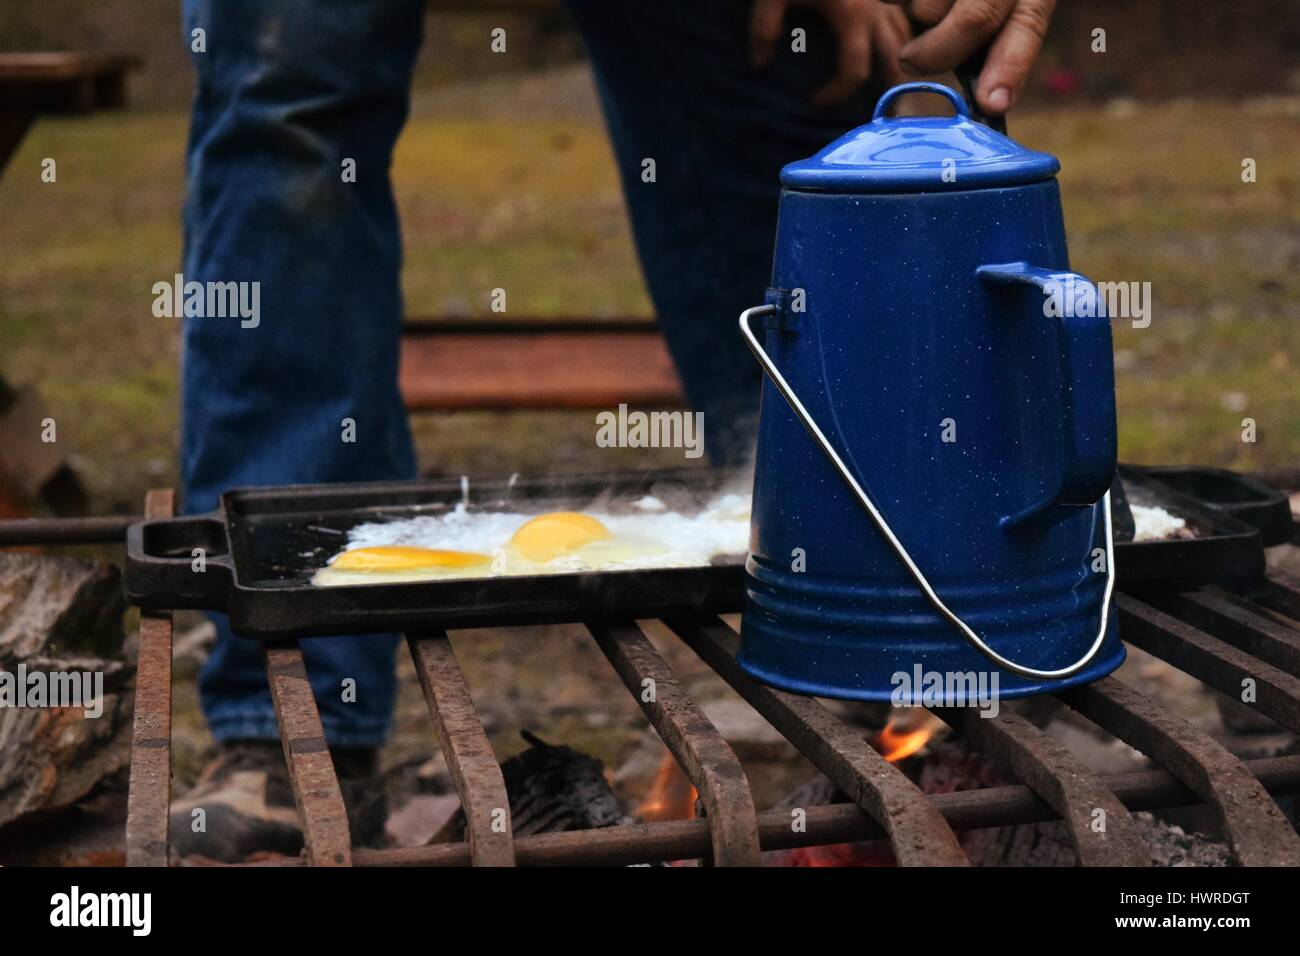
<point x="496" y="184"/>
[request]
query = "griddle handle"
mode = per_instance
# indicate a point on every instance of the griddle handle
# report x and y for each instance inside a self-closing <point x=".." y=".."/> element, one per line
<point x="176" y="563"/>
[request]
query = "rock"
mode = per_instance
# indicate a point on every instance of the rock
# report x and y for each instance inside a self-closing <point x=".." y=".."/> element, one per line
<point x="416" y="821"/>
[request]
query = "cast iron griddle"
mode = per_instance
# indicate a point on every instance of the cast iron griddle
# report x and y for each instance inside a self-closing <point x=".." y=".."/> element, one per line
<point x="1225" y="549"/>
<point x="262" y="546"/>
<point x="1244" y="498"/>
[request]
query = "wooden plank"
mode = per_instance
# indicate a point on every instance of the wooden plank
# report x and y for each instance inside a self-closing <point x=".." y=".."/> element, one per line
<point x="548" y="369"/>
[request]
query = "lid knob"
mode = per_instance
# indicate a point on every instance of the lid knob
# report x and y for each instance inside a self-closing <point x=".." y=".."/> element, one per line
<point x="912" y="154"/>
<point x="887" y="98"/>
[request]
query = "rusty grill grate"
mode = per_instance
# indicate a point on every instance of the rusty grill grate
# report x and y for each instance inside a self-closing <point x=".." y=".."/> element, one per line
<point x="1217" y="637"/>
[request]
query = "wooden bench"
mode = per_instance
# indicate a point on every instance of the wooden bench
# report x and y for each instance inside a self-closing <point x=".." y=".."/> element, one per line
<point x="34" y="84"/>
<point x="493" y="364"/>
<point x="529" y="363"/>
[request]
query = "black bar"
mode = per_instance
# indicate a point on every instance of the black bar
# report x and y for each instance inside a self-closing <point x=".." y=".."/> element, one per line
<point x="22" y="532"/>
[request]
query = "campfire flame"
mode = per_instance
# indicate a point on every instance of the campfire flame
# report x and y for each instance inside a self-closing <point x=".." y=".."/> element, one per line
<point x="671" y="796"/>
<point x="905" y="734"/>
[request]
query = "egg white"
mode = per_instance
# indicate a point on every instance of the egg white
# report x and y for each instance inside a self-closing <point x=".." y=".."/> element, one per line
<point x="662" y="539"/>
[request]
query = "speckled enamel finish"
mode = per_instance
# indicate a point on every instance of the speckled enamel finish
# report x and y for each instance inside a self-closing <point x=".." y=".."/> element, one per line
<point x="909" y="154"/>
<point x="901" y="338"/>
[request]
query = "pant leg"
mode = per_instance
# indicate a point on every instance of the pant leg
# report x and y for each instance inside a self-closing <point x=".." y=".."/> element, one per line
<point x="676" y="86"/>
<point x="287" y="90"/>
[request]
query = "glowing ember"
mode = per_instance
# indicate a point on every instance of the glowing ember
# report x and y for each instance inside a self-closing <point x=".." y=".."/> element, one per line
<point x="671" y="796"/>
<point x="841" y="855"/>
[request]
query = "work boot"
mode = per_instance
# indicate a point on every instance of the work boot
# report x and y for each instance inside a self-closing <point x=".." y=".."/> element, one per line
<point x="248" y="807"/>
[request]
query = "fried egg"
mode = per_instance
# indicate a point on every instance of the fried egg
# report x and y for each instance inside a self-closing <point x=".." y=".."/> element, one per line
<point x="548" y="536"/>
<point x="465" y="543"/>
<point x="404" y="558"/>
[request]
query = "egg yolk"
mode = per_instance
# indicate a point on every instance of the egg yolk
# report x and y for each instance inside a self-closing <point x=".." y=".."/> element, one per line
<point x="402" y="558"/>
<point x="548" y="536"/>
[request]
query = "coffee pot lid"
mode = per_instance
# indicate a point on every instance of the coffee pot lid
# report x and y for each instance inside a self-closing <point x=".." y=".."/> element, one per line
<point x="905" y="154"/>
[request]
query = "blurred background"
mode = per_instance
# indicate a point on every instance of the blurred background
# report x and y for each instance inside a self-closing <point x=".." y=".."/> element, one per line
<point x="505" y="178"/>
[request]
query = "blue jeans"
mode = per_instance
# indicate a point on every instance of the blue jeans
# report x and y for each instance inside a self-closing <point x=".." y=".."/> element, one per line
<point x="290" y="89"/>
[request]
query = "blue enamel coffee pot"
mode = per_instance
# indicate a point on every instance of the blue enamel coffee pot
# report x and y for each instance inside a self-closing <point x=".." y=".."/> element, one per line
<point x="937" y="434"/>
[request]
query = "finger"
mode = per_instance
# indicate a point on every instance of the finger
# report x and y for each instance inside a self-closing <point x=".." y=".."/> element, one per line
<point x="853" y="60"/>
<point x="891" y="33"/>
<point x="928" y="12"/>
<point x="1012" y="55"/>
<point x="966" y="29"/>
<point x="765" y="23"/>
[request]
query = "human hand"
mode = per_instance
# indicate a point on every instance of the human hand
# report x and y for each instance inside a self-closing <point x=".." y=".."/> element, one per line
<point x="870" y="35"/>
<point x="960" y="28"/>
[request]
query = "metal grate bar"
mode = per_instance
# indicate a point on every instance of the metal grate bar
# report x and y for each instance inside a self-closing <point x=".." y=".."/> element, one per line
<point x="1061" y="779"/>
<point x="707" y="759"/>
<point x="1281" y="592"/>
<point x="1210" y="660"/>
<point x="327" y="839"/>
<point x="149" y="790"/>
<point x="1256" y="829"/>
<point x="841" y="823"/>
<point x="919" y="835"/>
<point x="473" y="765"/>
<point x="110" y="529"/>
<point x="1241" y="625"/>
<point x="1268" y="612"/>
